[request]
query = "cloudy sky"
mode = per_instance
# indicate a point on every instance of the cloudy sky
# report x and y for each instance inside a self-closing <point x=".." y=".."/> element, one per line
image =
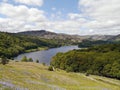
<point x="83" y="17"/>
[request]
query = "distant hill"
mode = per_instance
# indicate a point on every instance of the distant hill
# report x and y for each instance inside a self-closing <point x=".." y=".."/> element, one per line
<point x="74" y="38"/>
<point x="115" y="38"/>
<point x="52" y="35"/>
<point x="100" y="37"/>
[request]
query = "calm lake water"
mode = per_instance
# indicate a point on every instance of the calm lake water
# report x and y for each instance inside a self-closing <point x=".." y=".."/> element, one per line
<point x="45" y="55"/>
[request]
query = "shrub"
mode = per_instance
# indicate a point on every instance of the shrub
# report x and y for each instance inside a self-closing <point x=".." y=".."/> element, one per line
<point x="87" y="74"/>
<point x="69" y="69"/>
<point x="4" y="60"/>
<point x="50" y="68"/>
<point x="30" y="60"/>
<point x="24" y="59"/>
<point x="37" y="61"/>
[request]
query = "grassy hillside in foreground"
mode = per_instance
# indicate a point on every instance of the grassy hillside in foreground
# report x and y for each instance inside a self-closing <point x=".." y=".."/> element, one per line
<point x="34" y="76"/>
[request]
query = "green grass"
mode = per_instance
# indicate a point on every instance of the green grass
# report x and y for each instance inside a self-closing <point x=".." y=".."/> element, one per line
<point x="37" y="49"/>
<point x="34" y="76"/>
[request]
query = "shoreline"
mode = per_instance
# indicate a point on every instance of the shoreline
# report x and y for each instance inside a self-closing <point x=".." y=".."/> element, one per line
<point x="46" y="50"/>
<point x="36" y="49"/>
<point x="40" y="49"/>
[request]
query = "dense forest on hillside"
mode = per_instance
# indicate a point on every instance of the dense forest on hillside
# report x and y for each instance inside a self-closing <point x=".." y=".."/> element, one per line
<point x="13" y="44"/>
<point x="89" y="43"/>
<point x="101" y="60"/>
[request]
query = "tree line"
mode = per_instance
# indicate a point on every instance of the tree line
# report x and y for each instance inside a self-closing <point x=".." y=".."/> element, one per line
<point x="101" y="60"/>
<point x="88" y="43"/>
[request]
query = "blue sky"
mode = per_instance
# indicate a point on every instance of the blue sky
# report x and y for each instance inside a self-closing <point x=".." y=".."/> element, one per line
<point x="54" y="6"/>
<point x="64" y="6"/>
<point x="83" y="17"/>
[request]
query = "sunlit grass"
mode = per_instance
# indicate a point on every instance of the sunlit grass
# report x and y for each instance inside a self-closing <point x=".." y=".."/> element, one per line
<point x="34" y="76"/>
<point x="36" y="49"/>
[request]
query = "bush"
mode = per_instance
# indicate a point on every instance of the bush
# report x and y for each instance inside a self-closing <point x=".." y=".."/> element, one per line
<point x="4" y="60"/>
<point x="30" y="60"/>
<point x="37" y="61"/>
<point x="69" y="69"/>
<point x="87" y="74"/>
<point x="50" y="68"/>
<point x="24" y="59"/>
<point x="43" y="64"/>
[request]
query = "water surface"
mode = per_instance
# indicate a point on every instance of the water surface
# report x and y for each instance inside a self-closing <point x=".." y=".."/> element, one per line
<point x="45" y="55"/>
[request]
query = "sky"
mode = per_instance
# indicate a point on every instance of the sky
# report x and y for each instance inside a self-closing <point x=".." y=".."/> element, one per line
<point x="82" y="17"/>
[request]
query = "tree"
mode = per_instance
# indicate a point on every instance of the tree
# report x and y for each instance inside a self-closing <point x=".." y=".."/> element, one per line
<point x="37" y="61"/>
<point x="4" y="60"/>
<point x="99" y="60"/>
<point x="50" y="68"/>
<point x="24" y="59"/>
<point x="30" y="60"/>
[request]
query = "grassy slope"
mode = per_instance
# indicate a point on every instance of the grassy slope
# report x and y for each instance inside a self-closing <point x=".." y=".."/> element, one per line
<point x="33" y="76"/>
<point x="37" y="49"/>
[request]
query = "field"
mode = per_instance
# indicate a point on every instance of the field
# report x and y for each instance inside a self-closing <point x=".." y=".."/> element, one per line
<point x="34" y="76"/>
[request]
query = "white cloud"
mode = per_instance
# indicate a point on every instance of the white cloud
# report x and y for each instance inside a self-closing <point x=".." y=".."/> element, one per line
<point x="10" y="25"/>
<point x="22" y="12"/>
<point x="5" y="0"/>
<point x="30" y="2"/>
<point x="104" y="15"/>
<point x="77" y="17"/>
<point x="53" y="8"/>
<point x="74" y="16"/>
<point x="64" y="26"/>
<point x="19" y="16"/>
<point x="101" y="9"/>
<point x="96" y="17"/>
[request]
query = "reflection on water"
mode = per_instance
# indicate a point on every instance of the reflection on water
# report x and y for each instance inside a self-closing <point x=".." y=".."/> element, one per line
<point x="45" y="55"/>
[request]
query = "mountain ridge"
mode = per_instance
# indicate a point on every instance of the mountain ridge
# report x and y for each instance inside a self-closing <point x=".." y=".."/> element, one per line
<point x="74" y="38"/>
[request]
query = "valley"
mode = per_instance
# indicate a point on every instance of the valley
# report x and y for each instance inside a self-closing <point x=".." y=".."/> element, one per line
<point x="95" y="66"/>
<point x="59" y="44"/>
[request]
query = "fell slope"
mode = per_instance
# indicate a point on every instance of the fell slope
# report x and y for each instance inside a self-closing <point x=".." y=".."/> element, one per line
<point x="33" y="76"/>
<point x="61" y="36"/>
<point x="52" y="35"/>
<point x="115" y="38"/>
<point x="11" y="45"/>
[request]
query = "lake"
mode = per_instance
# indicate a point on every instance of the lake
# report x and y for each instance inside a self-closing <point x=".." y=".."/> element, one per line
<point x="45" y="56"/>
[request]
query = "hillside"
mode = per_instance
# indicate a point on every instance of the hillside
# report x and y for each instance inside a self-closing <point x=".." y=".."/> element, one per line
<point x="73" y="38"/>
<point x="52" y="35"/>
<point x="12" y="45"/>
<point x="102" y="60"/>
<point x="33" y="76"/>
<point x="100" y="37"/>
<point x="115" y="38"/>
